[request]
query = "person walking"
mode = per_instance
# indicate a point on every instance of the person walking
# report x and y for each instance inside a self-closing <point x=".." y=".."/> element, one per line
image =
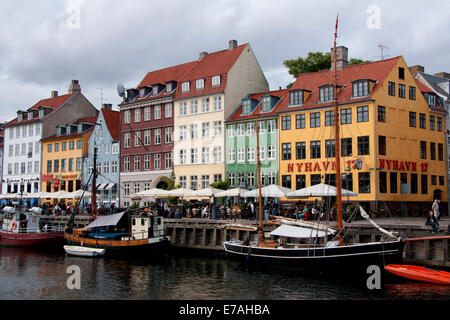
<point x="435" y="208"/>
<point x="251" y="208"/>
<point x="432" y="221"/>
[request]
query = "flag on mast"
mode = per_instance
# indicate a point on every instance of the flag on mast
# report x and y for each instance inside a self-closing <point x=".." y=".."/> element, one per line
<point x="337" y="17"/>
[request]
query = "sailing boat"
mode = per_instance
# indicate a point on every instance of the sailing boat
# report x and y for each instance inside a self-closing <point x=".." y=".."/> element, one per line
<point x="123" y="233"/>
<point x="318" y="245"/>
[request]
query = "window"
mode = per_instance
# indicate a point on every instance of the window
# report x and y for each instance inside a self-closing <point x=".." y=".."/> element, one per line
<point x="205" y="181"/>
<point x="432" y="151"/>
<point x="79" y="162"/>
<point x="300" y="121"/>
<point x="363" y="114"/>
<point x="147" y="162"/>
<point x="205" y="104"/>
<point x="286" y="151"/>
<point x="126" y="116"/>
<point x="63" y="165"/>
<point x="347" y="181"/>
<point x="194" y="156"/>
<point x="49" y="147"/>
<point x="115" y="148"/>
<point x="56" y="165"/>
<point x="168" y="135"/>
<point x="168" y="110"/>
<point x="217" y="128"/>
<point x="183" y="133"/>
<point x="393" y="182"/>
<point x="271" y="153"/>
<point x="230" y="130"/>
<point x="251" y="154"/>
<point x="79" y="144"/>
<point x="194" y="131"/>
<point x="168" y="160"/>
<point x="424" y="183"/>
<point x="147" y="137"/>
<point x="217" y="177"/>
<point x="200" y="84"/>
<point x="326" y="93"/>
<point x="423" y="150"/>
<point x="205" y="155"/>
<point x="251" y="179"/>
<point x="240" y="129"/>
<point x="441" y="180"/>
<point x="286" y="181"/>
<point x="157" y="137"/>
<point x="147" y="113"/>
<point x="439" y="124"/>
<point x="401" y="91"/>
<point x="315" y="149"/>
<point x="422" y="120"/>
<point x="315" y="179"/>
<point x="363" y="145"/>
<point x="231" y="179"/>
<point x="315" y="120"/>
<point x="49" y="166"/>
<point x="246" y="106"/>
<point x="182" y="156"/>
<point x="414" y="183"/>
<point x="261" y="127"/>
<point x="434" y="180"/>
<point x="401" y="73"/>
<point x="330" y="148"/>
<point x="194" y="106"/>
<point x="262" y="153"/>
<point x="231" y="155"/>
<point x="157" y="161"/>
<point x="185" y="86"/>
<point x="194" y="182"/>
<point x="266" y="104"/>
<point x="272" y="178"/>
<point x="412" y="93"/>
<point x="137" y="139"/>
<point x="241" y="155"/>
<point x="432" y="122"/>
<point x="346" y="116"/>
<point x="183" y="108"/>
<point x="382" y="145"/>
<point x="183" y="181"/>
<point x="329" y="118"/>
<point x="381" y="114"/>
<point x="217" y="154"/>
<point x="271" y="126"/>
<point x="364" y="182"/>
<point x="205" y="130"/>
<point x="391" y="88"/>
<point x="286" y="123"/>
<point x="137" y="115"/>
<point x="440" y="152"/>
<point x="330" y="179"/>
<point x="217" y="103"/>
<point x="412" y="119"/>
<point x="382" y="181"/>
<point x="360" y="88"/>
<point x="300" y="181"/>
<point x="126" y="139"/>
<point x="137" y="163"/>
<point x="216" y="81"/>
<point x="296" y="97"/>
<point x="70" y="166"/>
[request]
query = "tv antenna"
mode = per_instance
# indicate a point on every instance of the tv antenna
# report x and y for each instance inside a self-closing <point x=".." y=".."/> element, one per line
<point x="382" y="47"/>
<point x="101" y="95"/>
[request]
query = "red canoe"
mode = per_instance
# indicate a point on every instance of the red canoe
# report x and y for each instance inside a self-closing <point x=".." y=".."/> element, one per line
<point x="419" y="273"/>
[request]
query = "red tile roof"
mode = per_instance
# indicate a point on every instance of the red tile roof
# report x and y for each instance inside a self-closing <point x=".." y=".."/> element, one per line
<point x="422" y="87"/>
<point x="91" y="120"/>
<point x="112" y="120"/>
<point x="376" y="71"/>
<point x="237" y="114"/>
<point x="213" y="64"/>
<point x="53" y="103"/>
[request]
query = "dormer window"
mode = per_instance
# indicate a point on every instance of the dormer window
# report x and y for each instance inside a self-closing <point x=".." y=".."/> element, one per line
<point x="216" y="81"/>
<point x="433" y="100"/>
<point x="185" y="86"/>
<point x="361" y="88"/>
<point x="142" y="92"/>
<point x="41" y="113"/>
<point x="30" y="115"/>
<point x="326" y="93"/>
<point x="58" y="130"/>
<point x="246" y="106"/>
<point x="155" y="90"/>
<point x="169" y="87"/>
<point x="200" y="84"/>
<point x="266" y="103"/>
<point x="19" y="117"/>
<point x="296" y="97"/>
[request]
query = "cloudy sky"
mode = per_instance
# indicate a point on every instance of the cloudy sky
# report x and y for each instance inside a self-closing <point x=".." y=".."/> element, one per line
<point x="44" y="44"/>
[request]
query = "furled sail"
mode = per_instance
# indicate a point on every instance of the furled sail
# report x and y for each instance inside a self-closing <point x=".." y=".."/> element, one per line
<point x="366" y="216"/>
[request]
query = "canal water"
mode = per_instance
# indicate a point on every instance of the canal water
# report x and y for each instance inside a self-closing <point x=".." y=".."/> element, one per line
<point x="35" y="275"/>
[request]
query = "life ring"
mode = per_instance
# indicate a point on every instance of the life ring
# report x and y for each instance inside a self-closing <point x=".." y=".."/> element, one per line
<point x="14" y="226"/>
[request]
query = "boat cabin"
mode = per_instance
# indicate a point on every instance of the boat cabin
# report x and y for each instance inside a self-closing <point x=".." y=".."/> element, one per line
<point x="19" y="221"/>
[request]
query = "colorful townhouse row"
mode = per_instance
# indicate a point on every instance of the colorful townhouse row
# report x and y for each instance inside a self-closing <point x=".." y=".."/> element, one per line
<point x="195" y="124"/>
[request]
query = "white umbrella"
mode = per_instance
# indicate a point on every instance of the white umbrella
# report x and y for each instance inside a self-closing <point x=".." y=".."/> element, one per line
<point x="182" y="192"/>
<point x="45" y="195"/>
<point x="78" y="194"/>
<point x="58" y="195"/>
<point x="271" y="191"/>
<point x="320" y="190"/>
<point x="155" y="192"/>
<point x="11" y="196"/>
<point x="236" y="192"/>
<point x="208" y="192"/>
<point x="33" y="195"/>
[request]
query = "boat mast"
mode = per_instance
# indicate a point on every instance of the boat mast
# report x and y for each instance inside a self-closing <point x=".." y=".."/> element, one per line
<point x="336" y="138"/>
<point x="93" y="195"/>
<point x="258" y="166"/>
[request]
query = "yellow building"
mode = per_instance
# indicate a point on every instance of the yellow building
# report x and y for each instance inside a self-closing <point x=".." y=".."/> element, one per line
<point x="392" y="136"/>
<point x="208" y="94"/>
<point x="62" y="157"/>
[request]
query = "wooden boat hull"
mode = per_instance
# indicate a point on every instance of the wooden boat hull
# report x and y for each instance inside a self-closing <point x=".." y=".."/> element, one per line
<point x="419" y="273"/>
<point x="83" y="251"/>
<point x="330" y="257"/>
<point x="121" y="247"/>
<point x="37" y="239"/>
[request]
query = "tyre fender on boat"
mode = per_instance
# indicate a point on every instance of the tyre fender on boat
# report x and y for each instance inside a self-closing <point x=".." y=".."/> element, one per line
<point x="14" y="226"/>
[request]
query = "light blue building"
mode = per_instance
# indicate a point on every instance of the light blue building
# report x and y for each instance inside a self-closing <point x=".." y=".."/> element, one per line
<point x="106" y="138"/>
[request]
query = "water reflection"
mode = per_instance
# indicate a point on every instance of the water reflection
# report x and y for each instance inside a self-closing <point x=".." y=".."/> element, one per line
<point x="27" y="274"/>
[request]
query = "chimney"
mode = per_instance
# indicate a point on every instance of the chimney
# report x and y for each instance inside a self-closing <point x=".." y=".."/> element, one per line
<point x="107" y="106"/>
<point x="415" y="69"/>
<point x="74" y="87"/>
<point x="202" y="55"/>
<point x="54" y="94"/>
<point x="443" y="75"/>
<point x="232" y="44"/>
<point x="341" y="57"/>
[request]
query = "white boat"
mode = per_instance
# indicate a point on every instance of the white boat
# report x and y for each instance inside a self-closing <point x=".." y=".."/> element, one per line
<point x="84" y="251"/>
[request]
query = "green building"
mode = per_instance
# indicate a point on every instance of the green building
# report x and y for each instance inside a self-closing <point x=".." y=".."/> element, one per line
<point x="240" y="140"/>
